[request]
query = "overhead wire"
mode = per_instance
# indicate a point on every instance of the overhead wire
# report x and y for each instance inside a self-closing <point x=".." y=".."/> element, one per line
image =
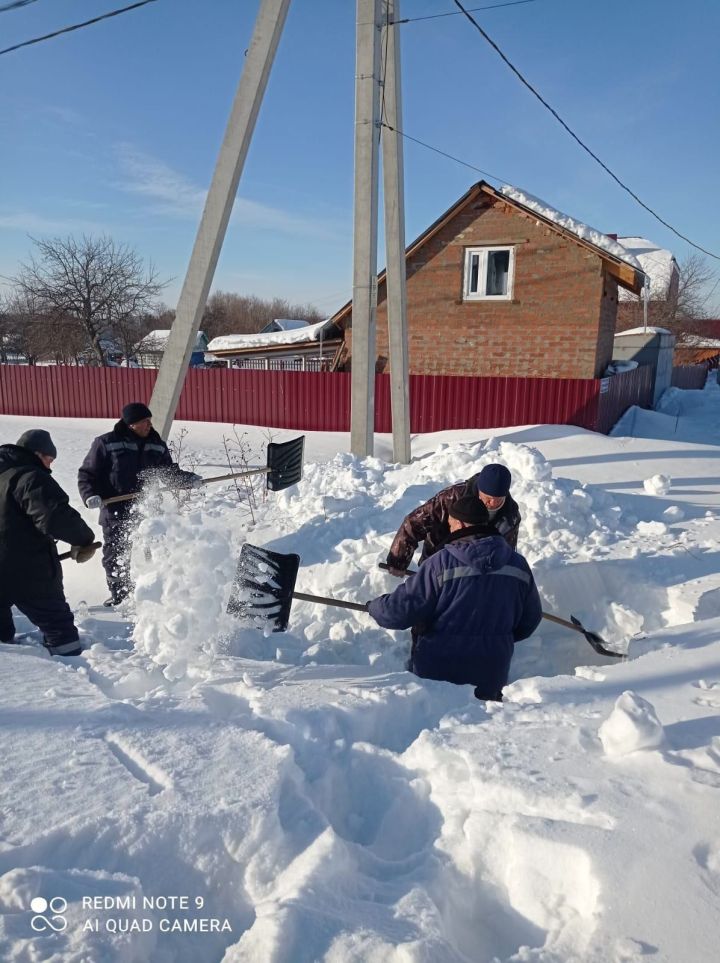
<point x="443" y="153"/>
<point x="15" y="4"/>
<point x="456" y="13"/>
<point x="575" y="137"/>
<point x="77" y="26"/>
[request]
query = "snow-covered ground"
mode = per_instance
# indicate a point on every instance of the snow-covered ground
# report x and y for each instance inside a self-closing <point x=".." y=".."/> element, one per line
<point x="303" y="798"/>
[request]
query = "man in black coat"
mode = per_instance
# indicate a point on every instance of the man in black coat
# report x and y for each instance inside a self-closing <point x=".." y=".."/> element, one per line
<point x="34" y="511"/>
<point x="117" y="464"/>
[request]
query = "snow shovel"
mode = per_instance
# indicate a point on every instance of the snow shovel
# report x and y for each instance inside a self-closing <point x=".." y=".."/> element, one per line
<point x="284" y="468"/>
<point x="575" y="624"/>
<point x="264" y="588"/>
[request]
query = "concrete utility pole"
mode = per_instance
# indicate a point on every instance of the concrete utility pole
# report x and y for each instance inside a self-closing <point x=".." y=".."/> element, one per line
<point x="218" y="207"/>
<point x="394" y="191"/>
<point x="364" y="304"/>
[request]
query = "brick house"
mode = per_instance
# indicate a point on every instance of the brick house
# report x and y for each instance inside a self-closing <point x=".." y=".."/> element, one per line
<point x="502" y="284"/>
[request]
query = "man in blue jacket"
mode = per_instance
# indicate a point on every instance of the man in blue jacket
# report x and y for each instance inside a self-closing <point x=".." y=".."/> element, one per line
<point x="468" y="605"/>
<point x="117" y="464"/>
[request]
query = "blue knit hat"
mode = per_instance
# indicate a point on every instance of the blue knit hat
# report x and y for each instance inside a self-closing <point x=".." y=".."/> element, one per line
<point x="494" y="480"/>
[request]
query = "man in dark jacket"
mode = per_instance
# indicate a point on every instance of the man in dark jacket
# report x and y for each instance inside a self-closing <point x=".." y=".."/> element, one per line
<point x="34" y="511"/>
<point x="468" y="604"/>
<point x="118" y="463"/>
<point x="429" y="522"/>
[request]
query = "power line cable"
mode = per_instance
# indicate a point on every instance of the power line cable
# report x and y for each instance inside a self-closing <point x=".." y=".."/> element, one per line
<point x="15" y="5"/>
<point x="575" y="136"/>
<point x="456" y="13"/>
<point x="76" y="26"/>
<point x="436" y="150"/>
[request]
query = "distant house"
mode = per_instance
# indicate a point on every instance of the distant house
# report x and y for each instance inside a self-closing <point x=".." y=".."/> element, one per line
<point x="283" y="324"/>
<point x="663" y="276"/>
<point x="149" y="352"/>
<point x="311" y="347"/>
<point x="504" y="284"/>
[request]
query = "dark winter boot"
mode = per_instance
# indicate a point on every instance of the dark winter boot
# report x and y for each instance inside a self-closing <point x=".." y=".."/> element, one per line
<point x="486" y="697"/>
<point x="63" y="648"/>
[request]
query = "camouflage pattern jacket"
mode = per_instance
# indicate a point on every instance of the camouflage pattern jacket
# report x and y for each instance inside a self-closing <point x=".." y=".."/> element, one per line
<point x="429" y="524"/>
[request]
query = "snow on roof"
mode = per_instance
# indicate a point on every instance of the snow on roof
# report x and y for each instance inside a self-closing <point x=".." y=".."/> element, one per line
<point x="657" y="262"/>
<point x="156" y="340"/>
<point x="583" y="231"/>
<point x="289" y="324"/>
<point x="643" y="330"/>
<point x="232" y="342"/>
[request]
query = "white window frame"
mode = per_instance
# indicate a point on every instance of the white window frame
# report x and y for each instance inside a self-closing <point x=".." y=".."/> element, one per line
<point x="482" y="253"/>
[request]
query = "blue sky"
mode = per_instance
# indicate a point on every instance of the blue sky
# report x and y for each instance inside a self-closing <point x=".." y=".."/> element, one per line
<point x="115" y="129"/>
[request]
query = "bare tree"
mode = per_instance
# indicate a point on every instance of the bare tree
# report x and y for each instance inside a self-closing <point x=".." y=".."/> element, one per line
<point x="228" y="313"/>
<point x="97" y="283"/>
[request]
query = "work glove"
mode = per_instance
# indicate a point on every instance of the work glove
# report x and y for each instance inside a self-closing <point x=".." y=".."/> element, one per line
<point x="397" y="572"/>
<point x="191" y="480"/>
<point x="82" y="553"/>
<point x="95" y="501"/>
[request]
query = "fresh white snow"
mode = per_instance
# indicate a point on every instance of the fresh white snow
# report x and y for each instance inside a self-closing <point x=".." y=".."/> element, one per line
<point x="301" y="797"/>
<point x="231" y="342"/>
<point x="658" y="263"/>
<point x="583" y="231"/>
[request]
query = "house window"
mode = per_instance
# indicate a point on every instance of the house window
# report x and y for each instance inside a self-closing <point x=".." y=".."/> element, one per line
<point x="488" y="273"/>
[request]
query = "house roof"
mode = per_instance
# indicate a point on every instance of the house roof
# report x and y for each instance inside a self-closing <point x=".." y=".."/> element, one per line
<point x="157" y="339"/>
<point x="619" y="261"/>
<point x="658" y="263"/>
<point x="284" y="324"/>
<point x="272" y="339"/>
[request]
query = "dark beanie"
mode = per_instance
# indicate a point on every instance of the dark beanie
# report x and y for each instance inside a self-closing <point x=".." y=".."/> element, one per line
<point x="494" y="480"/>
<point x="37" y="439"/>
<point x="469" y="510"/>
<point x="134" y="412"/>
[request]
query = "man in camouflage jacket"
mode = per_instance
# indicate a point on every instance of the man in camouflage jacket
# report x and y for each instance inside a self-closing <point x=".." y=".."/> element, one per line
<point x="429" y="523"/>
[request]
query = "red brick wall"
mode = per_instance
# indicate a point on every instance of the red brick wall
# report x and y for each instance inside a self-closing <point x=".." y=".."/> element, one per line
<point x="559" y="323"/>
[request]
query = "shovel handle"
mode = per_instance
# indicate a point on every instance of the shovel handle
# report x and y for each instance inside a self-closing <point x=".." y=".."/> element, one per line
<point x="322" y="600"/>
<point x="594" y="639"/>
<point x="205" y="481"/>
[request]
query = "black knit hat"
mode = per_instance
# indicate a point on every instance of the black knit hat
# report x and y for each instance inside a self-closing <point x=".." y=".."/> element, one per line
<point x="38" y="440"/>
<point x="469" y="510"/>
<point x="135" y="412"/>
<point x="494" y="480"/>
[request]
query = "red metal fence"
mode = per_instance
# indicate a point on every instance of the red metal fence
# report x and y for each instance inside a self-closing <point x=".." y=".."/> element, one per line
<point x="689" y="376"/>
<point x="321" y="401"/>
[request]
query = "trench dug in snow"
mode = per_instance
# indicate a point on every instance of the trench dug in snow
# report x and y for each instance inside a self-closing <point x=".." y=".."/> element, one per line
<point x="587" y="550"/>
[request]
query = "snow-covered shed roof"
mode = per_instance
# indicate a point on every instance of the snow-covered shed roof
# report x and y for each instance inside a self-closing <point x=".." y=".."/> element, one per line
<point x="157" y="339"/>
<point x="239" y="342"/>
<point x="658" y="263"/>
<point x="651" y="329"/>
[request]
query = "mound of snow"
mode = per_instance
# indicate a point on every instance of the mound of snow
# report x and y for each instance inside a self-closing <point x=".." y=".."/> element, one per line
<point x="658" y="484"/>
<point x="632" y="725"/>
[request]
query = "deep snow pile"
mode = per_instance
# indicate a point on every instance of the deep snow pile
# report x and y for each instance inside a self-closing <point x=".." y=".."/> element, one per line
<point x="312" y="801"/>
<point x="341" y="519"/>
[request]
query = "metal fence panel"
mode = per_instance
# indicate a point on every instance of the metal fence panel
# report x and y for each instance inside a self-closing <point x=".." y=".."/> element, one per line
<point x="320" y="401"/>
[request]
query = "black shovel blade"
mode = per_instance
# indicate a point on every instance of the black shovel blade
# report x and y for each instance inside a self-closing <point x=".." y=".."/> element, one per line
<point x="263" y="587"/>
<point x="285" y="463"/>
<point x="595" y="641"/>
